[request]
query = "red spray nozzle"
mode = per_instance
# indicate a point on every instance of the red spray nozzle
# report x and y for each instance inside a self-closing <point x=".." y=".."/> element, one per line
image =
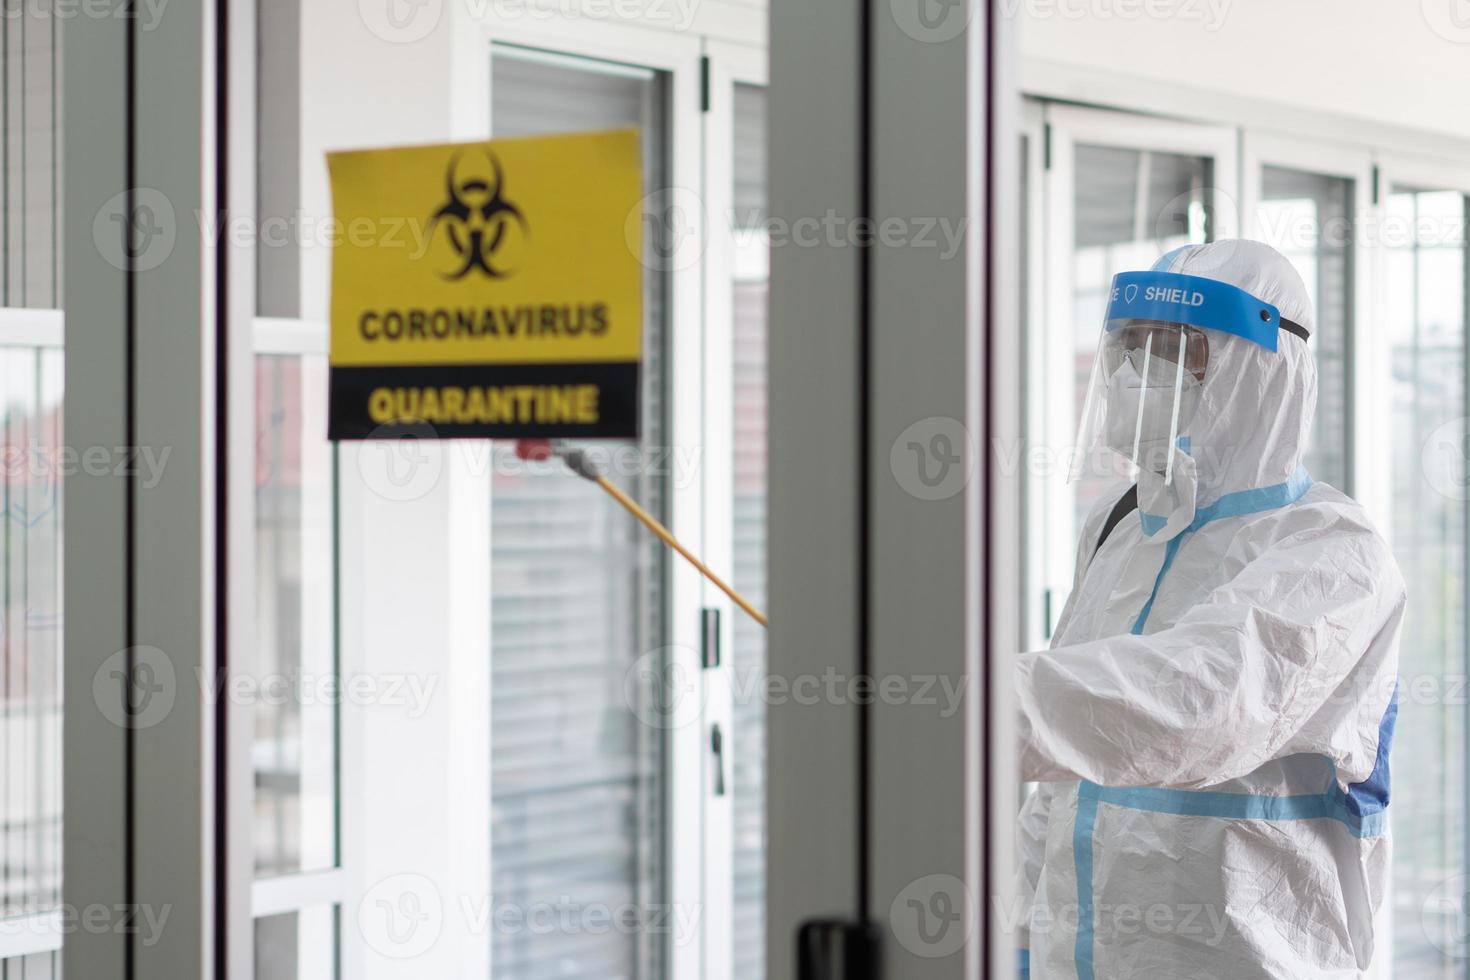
<point x="534" y="450"/>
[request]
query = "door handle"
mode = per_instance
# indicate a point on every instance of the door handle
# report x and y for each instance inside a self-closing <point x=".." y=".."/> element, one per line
<point x="717" y="749"/>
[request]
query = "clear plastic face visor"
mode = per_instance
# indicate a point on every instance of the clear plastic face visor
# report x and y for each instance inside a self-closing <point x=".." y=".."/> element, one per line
<point x="1152" y="361"/>
<point x="1145" y="385"/>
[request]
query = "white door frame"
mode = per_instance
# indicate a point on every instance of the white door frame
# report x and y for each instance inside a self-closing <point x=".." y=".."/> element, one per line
<point x="728" y="65"/>
<point x="1033" y="369"/>
<point x="687" y="801"/>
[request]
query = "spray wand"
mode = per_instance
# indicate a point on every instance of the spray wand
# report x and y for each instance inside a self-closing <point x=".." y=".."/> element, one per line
<point x="581" y="464"/>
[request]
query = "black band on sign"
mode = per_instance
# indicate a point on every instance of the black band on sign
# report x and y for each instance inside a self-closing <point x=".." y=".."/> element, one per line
<point x="1291" y="326"/>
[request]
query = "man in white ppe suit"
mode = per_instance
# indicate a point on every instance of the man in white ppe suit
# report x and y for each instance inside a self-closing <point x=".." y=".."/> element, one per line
<point x="1211" y="726"/>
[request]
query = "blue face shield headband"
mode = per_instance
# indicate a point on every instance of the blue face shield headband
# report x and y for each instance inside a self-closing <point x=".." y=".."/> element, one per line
<point x="1172" y="297"/>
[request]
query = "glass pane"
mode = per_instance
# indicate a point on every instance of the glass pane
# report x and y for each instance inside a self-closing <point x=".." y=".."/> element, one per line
<point x="576" y="602"/>
<point x="30" y="494"/>
<point x="1309" y="218"/>
<point x="30" y="682"/>
<point x="297" y="945"/>
<point x="748" y="356"/>
<point x="295" y="752"/>
<point x="1426" y="294"/>
<point x="31" y="173"/>
<point x="1129" y="207"/>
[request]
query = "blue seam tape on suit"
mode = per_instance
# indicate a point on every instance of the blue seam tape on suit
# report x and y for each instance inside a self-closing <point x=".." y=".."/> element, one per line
<point x="1082" y="832"/>
<point x="1230" y="806"/>
<point x="1227" y="806"/>
<point x="1231" y="505"/>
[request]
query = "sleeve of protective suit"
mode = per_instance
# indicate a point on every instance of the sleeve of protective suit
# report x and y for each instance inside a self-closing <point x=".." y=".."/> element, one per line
<point x="1035" y="818"/>
<point x="1294" y="654"/>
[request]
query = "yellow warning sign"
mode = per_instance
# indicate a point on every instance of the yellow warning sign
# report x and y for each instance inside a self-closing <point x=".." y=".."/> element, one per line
<point x="488" y="289"/>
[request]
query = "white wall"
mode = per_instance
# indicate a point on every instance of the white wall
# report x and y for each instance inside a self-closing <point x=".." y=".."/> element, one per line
<point x="1396" y="62"/>
<point x="414" y="550"/>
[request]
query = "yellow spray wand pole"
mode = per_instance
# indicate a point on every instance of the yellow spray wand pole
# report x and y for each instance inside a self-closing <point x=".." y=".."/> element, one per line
<point x="579" y="464"/>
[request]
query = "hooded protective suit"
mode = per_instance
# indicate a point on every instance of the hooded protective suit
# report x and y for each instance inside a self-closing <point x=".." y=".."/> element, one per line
<point x="1211" y="725"/>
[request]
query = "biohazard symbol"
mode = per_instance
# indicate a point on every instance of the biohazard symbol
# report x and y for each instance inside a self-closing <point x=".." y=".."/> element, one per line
<point x="478" y="217"/>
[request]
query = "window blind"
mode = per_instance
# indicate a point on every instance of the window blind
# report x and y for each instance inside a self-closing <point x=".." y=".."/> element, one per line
<point x="576" y="604"/>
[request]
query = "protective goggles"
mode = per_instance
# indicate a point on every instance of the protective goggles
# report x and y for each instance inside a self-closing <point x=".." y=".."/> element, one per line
<point x="1153" y="359"/>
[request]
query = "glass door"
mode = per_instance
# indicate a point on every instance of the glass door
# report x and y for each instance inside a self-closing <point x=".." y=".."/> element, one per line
<point x="507" y="785"/>
<point x="578" y="611"/>
<point x="1420" y="353"/>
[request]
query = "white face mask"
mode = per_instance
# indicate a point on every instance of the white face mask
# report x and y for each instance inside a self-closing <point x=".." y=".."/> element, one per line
<point x="1142" y="412"/>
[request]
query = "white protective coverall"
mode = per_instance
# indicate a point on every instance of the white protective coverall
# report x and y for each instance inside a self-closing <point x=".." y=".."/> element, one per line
<point x="1211" y="726"/>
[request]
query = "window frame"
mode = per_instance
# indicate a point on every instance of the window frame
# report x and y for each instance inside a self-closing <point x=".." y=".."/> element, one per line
<point x="1376" y="378"/>
<point x="298" y="890"/>
<point x="730" y="65"/>
<point x="1265" y="149"/>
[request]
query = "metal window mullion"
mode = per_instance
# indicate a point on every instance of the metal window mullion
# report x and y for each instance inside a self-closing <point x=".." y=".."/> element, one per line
<point x="817" y="305"/>
<point x="96" y="295"/>
<point x="174" y="534"/>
